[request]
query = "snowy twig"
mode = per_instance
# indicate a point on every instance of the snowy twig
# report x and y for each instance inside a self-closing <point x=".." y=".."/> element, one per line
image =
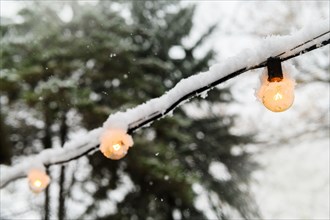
<point x="305" y="40"/>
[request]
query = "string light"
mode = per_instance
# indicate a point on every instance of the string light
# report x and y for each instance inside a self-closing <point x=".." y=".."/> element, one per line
<point x="115" y="143"/>
<point x="135" y="125"/>
<point x="118" y="149"/>
<point x="38" y="180"/>
<point x="277" y="88"/>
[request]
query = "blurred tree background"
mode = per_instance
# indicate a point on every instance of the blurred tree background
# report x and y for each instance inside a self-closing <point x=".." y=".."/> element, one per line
<point x="62" y="75"/>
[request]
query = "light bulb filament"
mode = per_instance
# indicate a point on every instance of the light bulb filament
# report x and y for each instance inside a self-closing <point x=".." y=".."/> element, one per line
<point x="278" y="96"/>
<point x="37" y="183"/>
<point x="116" y="147"/>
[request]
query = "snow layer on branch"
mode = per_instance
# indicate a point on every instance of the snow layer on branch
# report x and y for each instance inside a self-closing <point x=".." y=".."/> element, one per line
<point x="71" y="149"/>
<point x="271" y="46"/>
<point x="78" y="146"/>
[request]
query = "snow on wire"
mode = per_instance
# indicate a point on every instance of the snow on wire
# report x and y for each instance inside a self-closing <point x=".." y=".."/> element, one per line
<point x="285" y="47"/>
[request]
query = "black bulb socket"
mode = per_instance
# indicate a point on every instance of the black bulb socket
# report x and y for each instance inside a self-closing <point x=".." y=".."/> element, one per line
<point x="274" y="68"/>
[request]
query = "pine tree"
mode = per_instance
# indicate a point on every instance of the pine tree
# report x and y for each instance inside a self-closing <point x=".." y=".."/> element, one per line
<point x="102" y="62"/>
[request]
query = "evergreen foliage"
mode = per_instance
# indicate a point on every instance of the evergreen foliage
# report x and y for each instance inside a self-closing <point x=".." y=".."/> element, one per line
<point x="104" y="61"/>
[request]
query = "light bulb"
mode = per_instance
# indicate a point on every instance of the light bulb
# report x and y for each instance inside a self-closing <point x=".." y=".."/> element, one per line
<point x="38" y="180"/>
<point x="277" y="96"/>
<point x="115" y="143"/>
<point x="277" y="87"/>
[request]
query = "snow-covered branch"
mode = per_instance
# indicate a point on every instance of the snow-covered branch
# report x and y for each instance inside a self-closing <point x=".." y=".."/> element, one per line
<point x="285" y="47"/>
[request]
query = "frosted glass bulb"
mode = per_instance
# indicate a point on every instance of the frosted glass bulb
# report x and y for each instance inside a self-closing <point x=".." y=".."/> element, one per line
<point x="277" y="96"/>
<point x="38" y="180"/>
<point x="115" y="143"/>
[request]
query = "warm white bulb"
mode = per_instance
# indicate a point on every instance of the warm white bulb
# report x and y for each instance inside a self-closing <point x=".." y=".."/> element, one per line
<point x="115" y="143"/>
<point x="277" y="96"/>
<point x="38" y="180"/>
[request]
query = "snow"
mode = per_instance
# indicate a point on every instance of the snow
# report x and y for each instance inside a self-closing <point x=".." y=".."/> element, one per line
<point x="177" y="52"/>
<point x="271" y="46"/>
<point x="71" y="149"/>
<point x="297" y="173"/>
<point x="304" y="128"/>
<point x="219" y="171"/>
<point x="240" y="25"/>
<point x="66" y="14"/>
<point x="201" y="202"/>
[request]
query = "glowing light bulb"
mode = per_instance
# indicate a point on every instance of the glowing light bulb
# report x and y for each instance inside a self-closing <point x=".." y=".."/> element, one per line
<point x="277" y="87"/>
<point x="38" y="180"/>
<point x="277" y="96"/>
<point x="115" y="143"/>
